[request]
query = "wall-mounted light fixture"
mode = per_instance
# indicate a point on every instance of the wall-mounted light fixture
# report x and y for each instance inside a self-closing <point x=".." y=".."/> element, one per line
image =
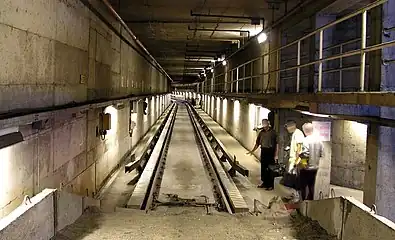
<point x="119" y="106"/>
<point x="262" y="37"/>
<point x="9" y="137"/>
<point x="314" y="114"/>
<point x="133" y="106"/>
<point x="224" y="62"/>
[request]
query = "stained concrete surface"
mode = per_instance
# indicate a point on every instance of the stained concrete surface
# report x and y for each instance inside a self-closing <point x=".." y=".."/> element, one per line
<point x="189" y="223"/>
<point x="31" y="220"/>
<point x="184" y="173"/>
<point x="45" y="49"/>
<point x="348" y="153"/>
<point x="347" y="192"/>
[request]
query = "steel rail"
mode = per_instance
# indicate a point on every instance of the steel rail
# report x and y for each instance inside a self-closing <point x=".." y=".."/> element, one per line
<point x="146" y="192"/>
<point x="141" y="195"/>
<point x="219" y="187"/>
<point x="155" y="185"/>
<point x="141" y="154"/>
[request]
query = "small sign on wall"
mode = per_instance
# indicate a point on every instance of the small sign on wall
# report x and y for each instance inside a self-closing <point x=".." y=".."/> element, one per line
<point x="323" y="129"/>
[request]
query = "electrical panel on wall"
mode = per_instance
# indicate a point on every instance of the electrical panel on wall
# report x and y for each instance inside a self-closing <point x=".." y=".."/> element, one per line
<point x="133" y="107"/>
<point x="145" y="107"/>
<point x="104" y="125"/>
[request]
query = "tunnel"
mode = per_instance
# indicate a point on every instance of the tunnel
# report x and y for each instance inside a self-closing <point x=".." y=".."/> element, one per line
<point x="197" y="119"/>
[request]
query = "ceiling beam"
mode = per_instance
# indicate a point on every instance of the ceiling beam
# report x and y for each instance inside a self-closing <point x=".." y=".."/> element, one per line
<point x="184" y="21"/>
<point x="203" y="59"/>
<point x="217" y="30"/>
<point x="184" y="67"/>
<point x="184" y="73"/>
<point x="200" y="55"/>
<point x="226" y="16"/>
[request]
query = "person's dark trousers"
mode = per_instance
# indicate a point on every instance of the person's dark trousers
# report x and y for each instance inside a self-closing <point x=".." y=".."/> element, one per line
<point x="267" y="158"/>
<point x="307" y="183"/>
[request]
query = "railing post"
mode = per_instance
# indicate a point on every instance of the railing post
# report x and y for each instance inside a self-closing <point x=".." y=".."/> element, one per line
<point x="237" y="80"/>
<point x="321" y="46"/>
<point x="252" y="72"/>
<point x="244" y="77"/>
<point x="363" y="54"/>
<point x="213" y="80"/>
<point x="341" y="72"/>
<point x="263" y="73"/>
<point x="225" y="82"/>
<point x="298" y="70"/>
<point x="277" y="73"/>
<point x="231" y="81"/>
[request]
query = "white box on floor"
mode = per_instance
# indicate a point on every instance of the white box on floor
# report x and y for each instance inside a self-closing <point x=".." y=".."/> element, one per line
<point x="285" y="192"/>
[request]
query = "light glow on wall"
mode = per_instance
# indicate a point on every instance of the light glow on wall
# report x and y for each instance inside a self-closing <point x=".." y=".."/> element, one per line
<point x="114" y="120"/>
<point x="212" y="106"/>
<point x="218" y="108"/>
<point x="359" y="129"/>
<point x="224" y="108"/>
<point x="254" y="30"/>
<point x="263" y="113"/>
<point x="157" y="107"/>
<point x="236" y="111"/>
<point x="5" y="178"/>
<point x="252" y="114"/>
<point x="152" y="109"/>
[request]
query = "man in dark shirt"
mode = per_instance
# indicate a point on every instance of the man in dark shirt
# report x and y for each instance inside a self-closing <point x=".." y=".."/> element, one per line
<point x="267" y="140"/>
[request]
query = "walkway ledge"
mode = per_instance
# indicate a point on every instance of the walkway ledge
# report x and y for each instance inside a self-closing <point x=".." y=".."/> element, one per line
<point x="348" y="219"/>
<point x="44" y="214"/>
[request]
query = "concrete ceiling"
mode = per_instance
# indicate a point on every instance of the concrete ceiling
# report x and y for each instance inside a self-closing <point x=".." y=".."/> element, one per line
<point x="342" y="7"/>
<point x="184" y="43"/>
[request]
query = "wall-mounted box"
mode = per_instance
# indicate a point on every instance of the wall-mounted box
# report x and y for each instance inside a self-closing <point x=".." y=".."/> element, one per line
<point x="105" y="121"/>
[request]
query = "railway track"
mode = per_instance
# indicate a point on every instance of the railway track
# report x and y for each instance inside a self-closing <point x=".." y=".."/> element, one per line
<point x="184" y="170"/>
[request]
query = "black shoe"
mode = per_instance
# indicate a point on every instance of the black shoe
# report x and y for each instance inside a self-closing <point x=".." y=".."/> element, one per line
<point x="261" y="186"/>
<point x="269" y="188"/>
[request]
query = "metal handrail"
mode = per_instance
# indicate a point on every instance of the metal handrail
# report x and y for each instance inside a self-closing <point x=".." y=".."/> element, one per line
<point x="361" y="51"/>
<point x="334" y="57"/>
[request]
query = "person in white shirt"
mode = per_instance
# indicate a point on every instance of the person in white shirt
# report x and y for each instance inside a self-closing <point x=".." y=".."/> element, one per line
<point x="296" y="144"/>
<point x="309" y="161"/>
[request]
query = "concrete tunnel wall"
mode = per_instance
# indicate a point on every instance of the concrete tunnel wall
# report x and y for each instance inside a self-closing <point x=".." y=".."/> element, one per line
<point x="53" y="53"/>
<point x="57" y="52"/>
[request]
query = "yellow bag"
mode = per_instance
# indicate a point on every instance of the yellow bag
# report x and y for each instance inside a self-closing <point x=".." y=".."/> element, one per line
<point x="303" y="162"/>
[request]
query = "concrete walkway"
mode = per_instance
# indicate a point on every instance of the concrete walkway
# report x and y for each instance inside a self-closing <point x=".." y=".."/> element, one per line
<point x="184" y="173"/>
<point x="189" y="223"/>
<point x="247" y="186"/>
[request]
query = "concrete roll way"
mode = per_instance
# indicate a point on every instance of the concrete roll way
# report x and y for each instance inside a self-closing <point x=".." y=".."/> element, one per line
<point x="184" y="175"/>
<point x="183" y="170"/>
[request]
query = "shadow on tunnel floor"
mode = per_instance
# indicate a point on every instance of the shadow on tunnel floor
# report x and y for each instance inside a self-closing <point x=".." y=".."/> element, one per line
<point x="85" y="225"/>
